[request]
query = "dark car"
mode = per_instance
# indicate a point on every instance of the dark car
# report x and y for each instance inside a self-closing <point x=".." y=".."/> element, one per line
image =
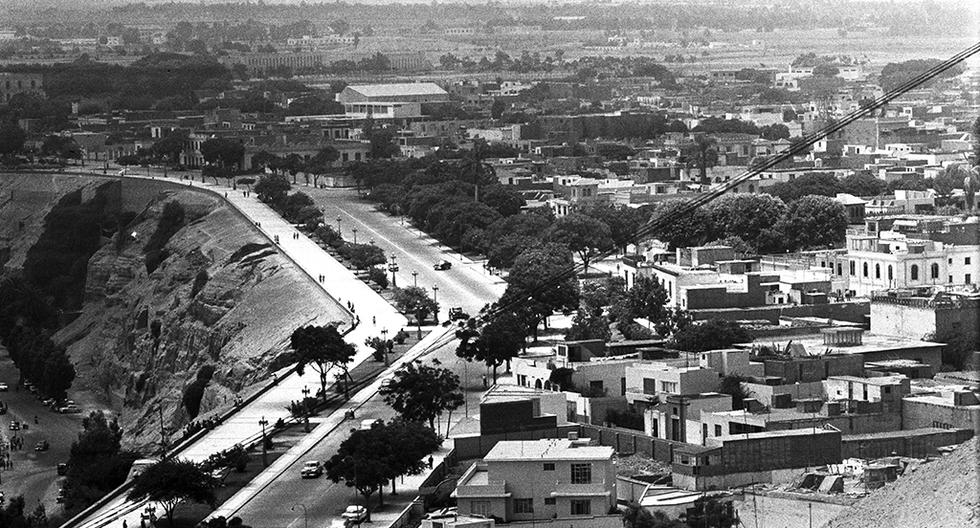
<point x="43" y="445"/>
<point x="443" y="266"/>
<point x="456" y="313"/>
<point x="15" y="425"/>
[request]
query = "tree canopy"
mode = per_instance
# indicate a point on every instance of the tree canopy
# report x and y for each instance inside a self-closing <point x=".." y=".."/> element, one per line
<point x="171" y="482"/>
<point x="421" y="392"/>
<point x="321" y="347"/>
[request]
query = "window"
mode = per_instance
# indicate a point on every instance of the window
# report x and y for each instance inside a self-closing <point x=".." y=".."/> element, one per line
<point x="865" y="269"/>
<point x="950" y="278"/>
<point x="549" y="466"/>
<point x="889" y="272"/>
<point x="851" y="265"/>
<point x="877" y="271"/>
<point x="840" y="270"/>
<point x="581" y="507"/>
<point x="481" y="508"/>
<point x="966" y="261"/>
<point x="968" y="279"/>
<point x="549" y="501"/>
<point x="581" y="473"/>
<point x="717" y="430"/>
<point x="668" y="386"/>
<point x="523" y="505"/>
<point x="934" y="271"/>
<point x="914" y="272"/>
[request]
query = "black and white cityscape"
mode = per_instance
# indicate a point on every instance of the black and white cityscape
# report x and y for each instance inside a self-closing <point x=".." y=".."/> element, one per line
<point x="489" y="264"/>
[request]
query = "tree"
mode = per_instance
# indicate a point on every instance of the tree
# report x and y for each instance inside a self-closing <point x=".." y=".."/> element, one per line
<point x="712" y="513"/>
<point x="774" y="132"/>
<point x="364" y="461"/>
<point x="413" y="442"/>
<point x="749" y="216"/>
<point x="421" y="393"/>
<point x="636" y="516"/>
<point x="586" y="325"/>
<point x="703" y="154"/>
<point x="322" y="162"/>
<point x="223" y="152"/>
<point x="168" y="149"/>
<point x="582" y="234"/>
<point x="541" y="281"/>
<point x="95" y="463"/>
<point x="12" y="138"/>
<point x="62" y="147"/>
<point x="263" y="159"/>
<point x="809" y="183"/>
<point x="623" y="222"/>
<point x="416" y="301"/>
<point x="948" y="180"/>
<point x="59" y="373"/>
<point x="500" y="340"/>
<point x="814" y="222"/>
<point x="713" y="334"/>
<point x="646" y="299"/>
<point x="272" y="188"/>
<point x="322" y="348"/>
<point x="691" y="229"/>
<point x="364" y="256"/>
<point x="732" y="385"/>
<point x="172" y="481"/>
<point x="862" y="183"/>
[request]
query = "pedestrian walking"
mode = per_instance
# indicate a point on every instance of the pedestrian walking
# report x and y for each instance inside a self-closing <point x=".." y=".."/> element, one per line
<point x="431" y="460"/>
<point x="125" y="525"/>
<point x="484" y="381"/>
<point x="374" y="320"/>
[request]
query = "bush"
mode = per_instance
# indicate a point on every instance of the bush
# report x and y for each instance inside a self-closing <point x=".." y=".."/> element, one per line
<point x="378" y="276"/>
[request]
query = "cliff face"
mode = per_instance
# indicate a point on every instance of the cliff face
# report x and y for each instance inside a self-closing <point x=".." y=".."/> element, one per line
<point x="224" y="298"/>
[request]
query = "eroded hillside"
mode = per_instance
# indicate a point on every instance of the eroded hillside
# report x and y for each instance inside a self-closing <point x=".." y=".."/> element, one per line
<point x="215" y="297"/>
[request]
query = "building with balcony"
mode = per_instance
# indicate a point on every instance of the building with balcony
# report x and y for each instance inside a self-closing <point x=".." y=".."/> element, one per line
<point x="564" y="479"/>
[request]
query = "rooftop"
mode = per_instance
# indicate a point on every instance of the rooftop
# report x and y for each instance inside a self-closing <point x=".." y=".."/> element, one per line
<point x="398" y="89"/>
<point x="547" y="449"/>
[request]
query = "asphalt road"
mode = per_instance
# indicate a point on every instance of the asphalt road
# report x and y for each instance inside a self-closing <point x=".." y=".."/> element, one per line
<point x="34" y="473"/>
<point x="466" y="284"/>
<point x="280" y="504"/>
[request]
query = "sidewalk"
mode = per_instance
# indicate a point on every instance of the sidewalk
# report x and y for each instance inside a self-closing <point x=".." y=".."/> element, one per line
<point x="341" y="284"/>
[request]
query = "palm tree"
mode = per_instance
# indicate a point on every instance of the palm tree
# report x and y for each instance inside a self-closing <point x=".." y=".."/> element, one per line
<point x="703" y="154"/>
<point x="472" y="169"/>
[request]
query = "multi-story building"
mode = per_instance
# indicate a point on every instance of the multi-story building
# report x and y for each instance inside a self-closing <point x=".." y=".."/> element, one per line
<point x="564" y="479"/>
<point x="650" y="381"/>
<point x="884" y="260"/>
<point x="927" y="312"/>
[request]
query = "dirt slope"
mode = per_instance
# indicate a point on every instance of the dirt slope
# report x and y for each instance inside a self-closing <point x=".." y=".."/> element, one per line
<point x="940" y="494"/>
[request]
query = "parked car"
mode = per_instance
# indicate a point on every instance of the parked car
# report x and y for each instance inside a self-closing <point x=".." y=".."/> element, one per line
<point x="60" y="499"/>
<point x="15" y="425"/>
<point x="443" y="266"/>
<point x="43" y="445"/>
<point x="69" y="409"/>
<point x="311" y="469"/>
<point x="48" y="402"/>
<point x="4" y="387"/>
<point x="354" y="513"/>
<point x="62" y="469"/>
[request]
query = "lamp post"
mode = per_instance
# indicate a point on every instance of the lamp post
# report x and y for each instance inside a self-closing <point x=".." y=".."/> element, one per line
<point x="384" y="339"/>
<point x="393" y="267"/>
<point x="306" y="410"/>
<point x="265" y="455"/>
<point x="415" y="279"/>
<point x="338" y="223"/>
<point x="354" y="230"/>
<point x="306" y="519"/>
<point x="435" y="299"/>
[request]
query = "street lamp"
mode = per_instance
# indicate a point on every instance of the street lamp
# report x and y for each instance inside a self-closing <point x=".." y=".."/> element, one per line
<point x="415" y="279"/>
<point x="338" y="223"/>
<point x="306" y="519"/>
<point x="393" y="267"/>
<point x="354" y="230"/>
<point x="384" y="339"/>
<point x="265" y="455"/>
<point x="435" y="299"/>
<point x="306" y="410"/>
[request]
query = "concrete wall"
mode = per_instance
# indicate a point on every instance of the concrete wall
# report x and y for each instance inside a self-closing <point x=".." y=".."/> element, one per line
<point x="918" y="413"/>
<point x="917" y="445"/>
<point x="847" y="311"/>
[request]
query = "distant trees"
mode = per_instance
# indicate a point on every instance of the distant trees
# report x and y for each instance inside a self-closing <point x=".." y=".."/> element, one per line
<point x="171" y="482"/>
<point x="813" y="222"/>
<point x="226" y="153"/>
<point x="12" y="138"/>
<point x="96" y="463"/>
<point x="321" y="348"/>
<point x="497" y="342"/>
<point x="541" y="281"/>
<point x="582" y="234"/>
<point x="272" y="188"/>
<point x="702" y="152"/>
<point x="712" y="334"/>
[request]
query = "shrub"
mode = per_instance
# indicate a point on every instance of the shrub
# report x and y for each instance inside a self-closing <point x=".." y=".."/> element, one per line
<point x="378" y="276"/>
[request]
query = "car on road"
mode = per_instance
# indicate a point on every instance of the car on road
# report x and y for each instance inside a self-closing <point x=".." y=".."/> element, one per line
<point x="15" y="425"/>
<point x="60" y="499"/>
<point x="456" y="313"/>
<point x="4" y="387"/>
<point x="69" y="409"/>
<point x="43" y="445"/>
<point x="311" y="469"/>
<point x="48" y="402"/>
<point x="354" y="514"/>
<point x="443" y="265"/>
